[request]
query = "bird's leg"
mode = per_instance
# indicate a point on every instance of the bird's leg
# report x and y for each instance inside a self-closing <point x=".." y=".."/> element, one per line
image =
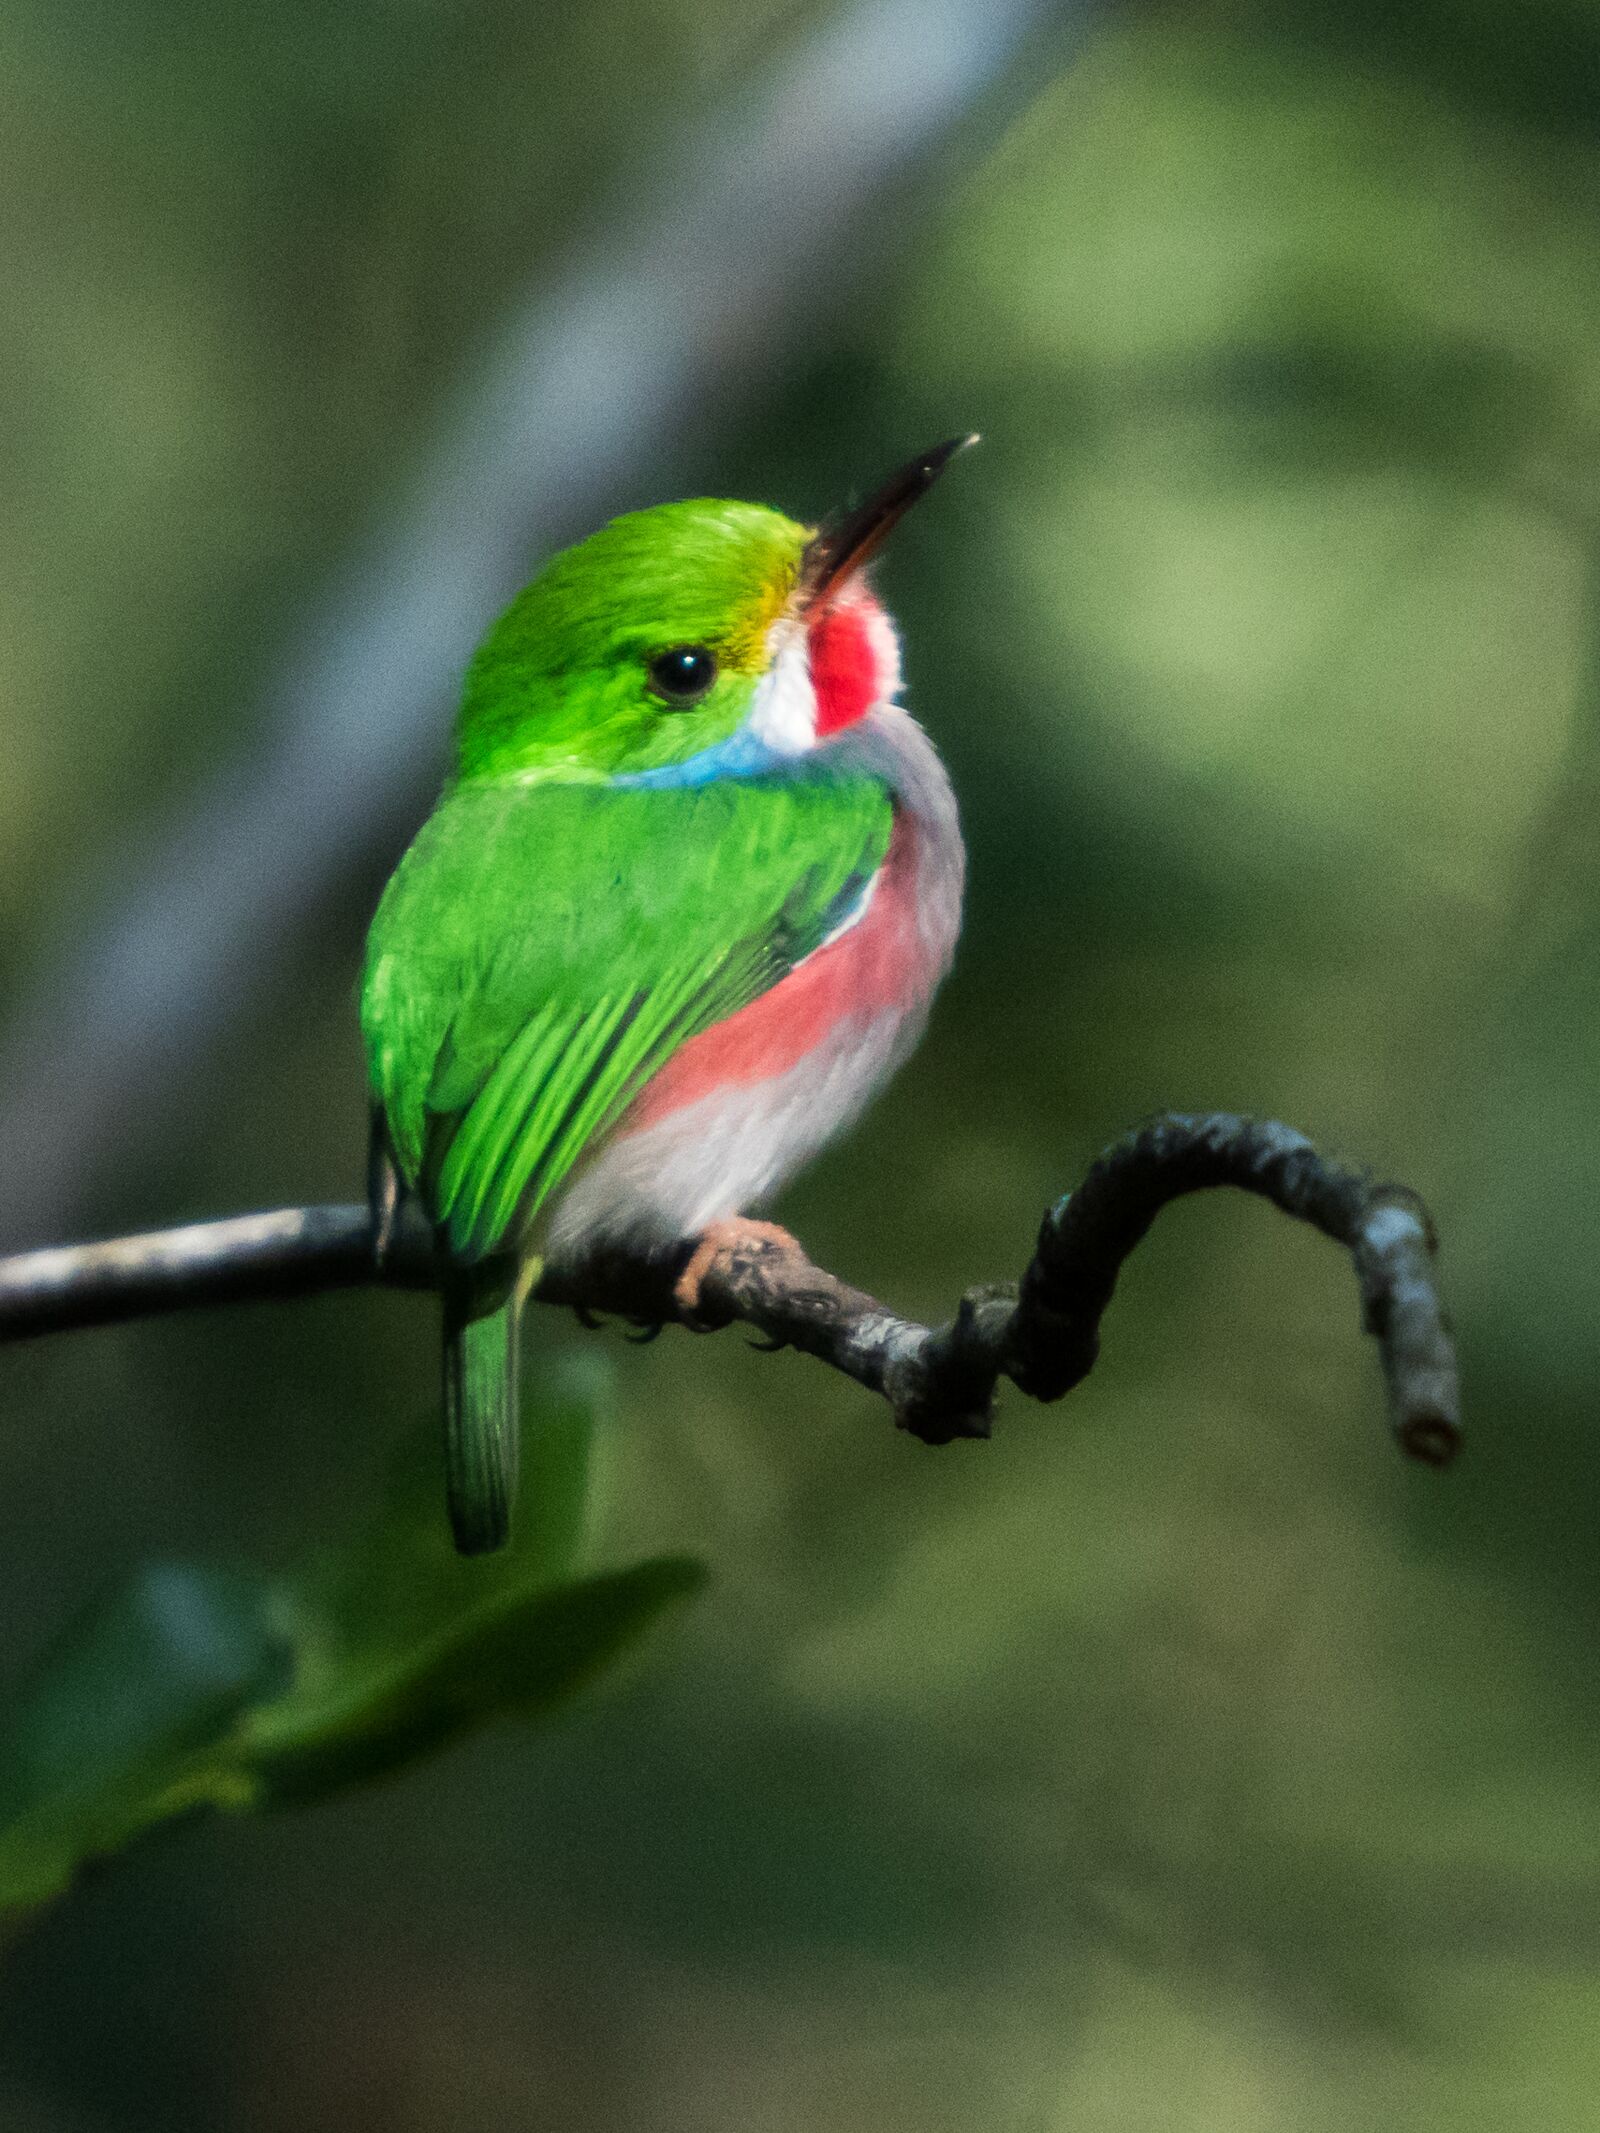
<point x="735" y="1233"/>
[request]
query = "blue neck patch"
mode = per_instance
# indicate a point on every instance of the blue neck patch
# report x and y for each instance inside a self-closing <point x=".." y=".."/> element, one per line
<point x="742" y="755"/>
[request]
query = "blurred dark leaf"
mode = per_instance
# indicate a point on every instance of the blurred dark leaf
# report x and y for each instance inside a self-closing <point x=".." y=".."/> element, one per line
<point x="221" y="1688"/>
<point x="516" y="1653"/>
<point x="121" y="1724"/>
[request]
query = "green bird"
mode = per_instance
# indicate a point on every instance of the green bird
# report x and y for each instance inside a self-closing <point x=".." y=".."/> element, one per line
<point x="681" y="907"/>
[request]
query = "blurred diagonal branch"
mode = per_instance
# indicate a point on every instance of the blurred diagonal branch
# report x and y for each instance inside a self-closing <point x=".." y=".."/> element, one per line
<point x="1044" y="1335"/>
<point x="735" y="247"/>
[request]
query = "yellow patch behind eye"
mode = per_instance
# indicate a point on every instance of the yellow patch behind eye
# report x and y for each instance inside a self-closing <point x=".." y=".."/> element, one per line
<point x="745" y="649"/>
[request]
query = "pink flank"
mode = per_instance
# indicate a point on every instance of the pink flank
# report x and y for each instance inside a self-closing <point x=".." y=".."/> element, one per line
<point x="876" y="965"/>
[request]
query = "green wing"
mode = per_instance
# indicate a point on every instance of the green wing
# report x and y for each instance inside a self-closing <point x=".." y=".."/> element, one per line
<point x="542" y="950"/>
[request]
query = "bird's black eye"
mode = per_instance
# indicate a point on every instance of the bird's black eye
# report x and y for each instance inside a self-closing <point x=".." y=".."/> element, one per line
<point x="684" y="674"/>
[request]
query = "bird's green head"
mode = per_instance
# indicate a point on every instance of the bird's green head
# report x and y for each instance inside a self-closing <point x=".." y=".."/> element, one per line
<point x="693" y="639"/>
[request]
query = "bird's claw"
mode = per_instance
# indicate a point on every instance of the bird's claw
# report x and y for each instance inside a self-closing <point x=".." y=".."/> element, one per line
<point x="738" y="1233"/>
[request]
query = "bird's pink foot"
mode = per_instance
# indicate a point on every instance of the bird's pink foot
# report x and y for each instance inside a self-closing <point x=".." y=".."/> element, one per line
<point x="736" y="1233"/>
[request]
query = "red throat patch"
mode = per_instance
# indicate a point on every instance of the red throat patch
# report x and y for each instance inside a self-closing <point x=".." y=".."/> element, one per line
<point x="844" y="664"/>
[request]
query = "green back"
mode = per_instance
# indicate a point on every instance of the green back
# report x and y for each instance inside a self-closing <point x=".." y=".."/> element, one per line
<point x="545" y="947"/>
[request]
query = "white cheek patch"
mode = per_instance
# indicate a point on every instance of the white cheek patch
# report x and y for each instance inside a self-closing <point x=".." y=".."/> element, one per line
<point x="783" y="717"/>
<point x="885" y="643"/>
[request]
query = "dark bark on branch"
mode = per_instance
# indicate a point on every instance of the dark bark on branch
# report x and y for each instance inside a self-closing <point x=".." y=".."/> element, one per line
<point x="939" y="1380"/>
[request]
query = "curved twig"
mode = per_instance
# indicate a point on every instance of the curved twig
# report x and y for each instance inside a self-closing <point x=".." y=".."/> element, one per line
<point x="939" y="1380"/>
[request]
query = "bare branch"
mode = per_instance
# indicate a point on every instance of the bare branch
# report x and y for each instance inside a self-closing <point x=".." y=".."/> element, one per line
<point x="940" y="1381"/>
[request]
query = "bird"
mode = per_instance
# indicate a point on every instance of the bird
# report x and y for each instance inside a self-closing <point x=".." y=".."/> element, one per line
<point x="682" y="906"/>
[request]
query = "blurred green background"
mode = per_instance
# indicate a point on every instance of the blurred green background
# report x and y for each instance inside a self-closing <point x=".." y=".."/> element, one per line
<point x="1179" y="1762"/>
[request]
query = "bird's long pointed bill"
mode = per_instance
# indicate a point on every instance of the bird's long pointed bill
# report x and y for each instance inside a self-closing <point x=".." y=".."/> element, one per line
<point x="841" y="549"/>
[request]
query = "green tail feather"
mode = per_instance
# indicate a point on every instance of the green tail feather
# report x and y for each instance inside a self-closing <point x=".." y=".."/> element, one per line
<point x="481" y="1414"/>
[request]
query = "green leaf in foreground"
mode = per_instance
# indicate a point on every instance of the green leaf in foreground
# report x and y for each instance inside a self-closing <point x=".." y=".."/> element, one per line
<point x="197" y="1687"/>
<point x="118" y="1726"/>
<point x="520" y="1654"/>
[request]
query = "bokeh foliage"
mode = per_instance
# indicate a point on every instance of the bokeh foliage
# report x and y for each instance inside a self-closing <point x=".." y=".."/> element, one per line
<point x="205" y="1688"/>
<point x="1179" y="1760"/>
